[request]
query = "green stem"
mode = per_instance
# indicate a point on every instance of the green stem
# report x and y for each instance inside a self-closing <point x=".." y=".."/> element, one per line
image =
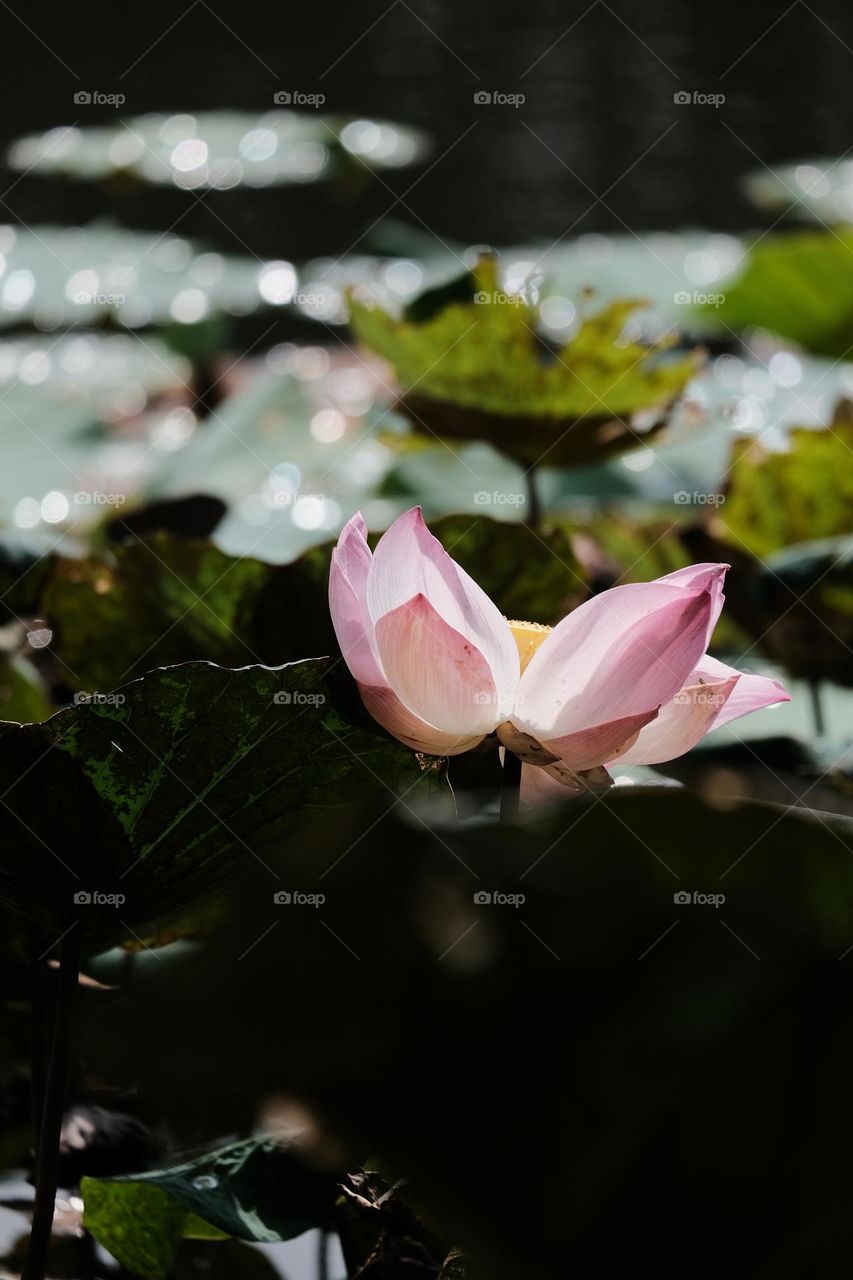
<point x="817" y="709"/>
<point x="323" y="1255"/>
<point x="47" y="1162"/>
<point x="510" y="786"/>
<point x="38" y="1051"/>
<point x="534" y="506"/>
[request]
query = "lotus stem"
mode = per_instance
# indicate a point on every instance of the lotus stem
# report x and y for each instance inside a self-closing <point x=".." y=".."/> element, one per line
<point x="47" y="1158"/>
<point x="38" y="1050"/>
<point x="323" y="1254"/>
<point x="534" y="506"/>
<point x="817" y="709"/>
<point x="510" y="786"/>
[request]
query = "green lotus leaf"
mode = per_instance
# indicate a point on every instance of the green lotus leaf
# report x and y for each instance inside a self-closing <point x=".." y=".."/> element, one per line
<point x="126" y="815"/>
<point x="255" y="1190"/>
<point x="774" y="500"/>
<point x="799" y="285"/>
<point x="163" y="599"/>
<point x="478" y="369"/>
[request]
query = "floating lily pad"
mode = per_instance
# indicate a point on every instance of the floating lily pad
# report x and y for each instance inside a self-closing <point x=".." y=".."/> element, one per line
<point x="106" y="372"/>
<point x="222" y="149"/>
<point x="102" y="274"/>
<point x="786" y="526"/>
<point x="775" y="499"/>
<point x="82" y="418"/>
<point x="756" y="395"/>
<point x="817" y="190"/>
<point x="293" y="452"/>
<point x="673" y="271"/>
<point x="481" y="371"/>
<point x="798" y="285"/>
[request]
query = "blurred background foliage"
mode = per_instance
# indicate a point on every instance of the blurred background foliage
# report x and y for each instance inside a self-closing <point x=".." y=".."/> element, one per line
<point x="229" y="321"/>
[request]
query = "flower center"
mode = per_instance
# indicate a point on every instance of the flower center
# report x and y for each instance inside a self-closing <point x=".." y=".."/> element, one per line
<point x="528" y="636"/>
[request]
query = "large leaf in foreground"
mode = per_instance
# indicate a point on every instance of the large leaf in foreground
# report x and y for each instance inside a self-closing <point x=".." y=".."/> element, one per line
<point x="174" y="783"/>
<point x="577" y="1059"/>
<point x="255" y="1190"/>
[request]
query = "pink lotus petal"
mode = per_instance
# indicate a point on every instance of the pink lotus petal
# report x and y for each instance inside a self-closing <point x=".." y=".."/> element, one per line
<point x="695" y="577"/>
<point x="347" y="603"/>
<point x="437" y="672"/>
<point x="409" y="562"/>
<point x="617" y="657"/>
<point x="544" y="786"/>
<point x="751" y="693"/>
<point x="587" y="748"/>
<point x="388" y="710"/>
<point x="352" y="552"/>
<point x="540" y="787"/>
<point x="681" y="722"/>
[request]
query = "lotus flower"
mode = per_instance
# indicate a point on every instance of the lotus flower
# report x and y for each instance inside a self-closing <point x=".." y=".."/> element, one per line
<point x="626" y="676"/>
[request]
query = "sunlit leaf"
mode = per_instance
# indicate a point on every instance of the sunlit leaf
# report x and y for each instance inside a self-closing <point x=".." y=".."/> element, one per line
<point x="479" y="370"/>
<point x="799" y="285"/>
<point x="806" y="492"/>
